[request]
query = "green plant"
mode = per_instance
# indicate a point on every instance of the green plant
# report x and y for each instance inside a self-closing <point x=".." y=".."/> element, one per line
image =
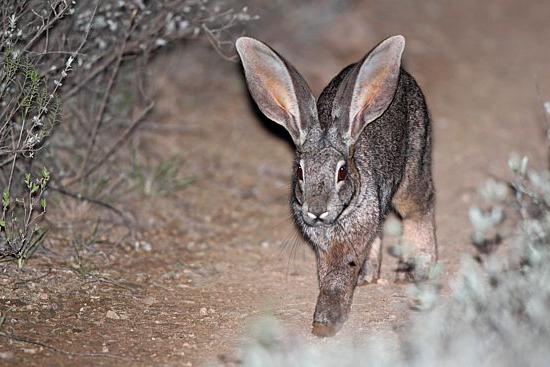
<point x="162" y="179"/>
<point x="21" y="233"/>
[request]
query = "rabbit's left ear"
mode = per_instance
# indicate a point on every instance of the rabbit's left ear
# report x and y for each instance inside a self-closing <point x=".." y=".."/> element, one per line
<point x="375" y="85"/>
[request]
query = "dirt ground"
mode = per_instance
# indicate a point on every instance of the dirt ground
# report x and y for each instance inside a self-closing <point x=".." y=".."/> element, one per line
<point x="223" y="252"/>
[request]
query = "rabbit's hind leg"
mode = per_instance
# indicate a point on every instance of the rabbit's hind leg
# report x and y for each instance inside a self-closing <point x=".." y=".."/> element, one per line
<point x="418" y="235"/>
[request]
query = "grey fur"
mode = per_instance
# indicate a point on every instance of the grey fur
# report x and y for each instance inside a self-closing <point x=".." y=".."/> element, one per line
<point x="388" y="159"/>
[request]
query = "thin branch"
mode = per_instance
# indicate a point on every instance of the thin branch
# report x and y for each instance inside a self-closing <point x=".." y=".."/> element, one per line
<point x="42" y="29"/>
<point x="57" y="350"/>
<point x="79" y="196"/>
<point x="115" y="146"/>
<point x="89" y="76"/>
<point x="106" y="96"/>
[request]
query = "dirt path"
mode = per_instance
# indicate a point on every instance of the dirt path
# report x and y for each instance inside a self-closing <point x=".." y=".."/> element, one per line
<point x="224" y="251"/>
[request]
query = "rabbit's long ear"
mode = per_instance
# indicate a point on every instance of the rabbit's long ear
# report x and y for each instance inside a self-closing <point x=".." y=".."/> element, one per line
<point x="278" y="89"/>
<point x="375" y="85"/>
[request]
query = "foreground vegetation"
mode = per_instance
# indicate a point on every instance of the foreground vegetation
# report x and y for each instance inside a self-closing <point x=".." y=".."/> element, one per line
<point x="498" y="309"/>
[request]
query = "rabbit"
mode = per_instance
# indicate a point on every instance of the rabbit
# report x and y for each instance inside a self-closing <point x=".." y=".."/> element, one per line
<point x="363" y="149"/>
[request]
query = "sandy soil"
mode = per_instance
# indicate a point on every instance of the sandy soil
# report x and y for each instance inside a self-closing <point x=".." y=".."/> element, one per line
<point x="224" y="251"/>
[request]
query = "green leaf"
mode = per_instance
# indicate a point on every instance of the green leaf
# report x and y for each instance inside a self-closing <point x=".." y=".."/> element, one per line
<point x="28" y="180"/>
<point x="45" y="174"/>
<point x="34" y="76"/>
<point x="43" y="203"/>
<point x="6" y="199"/>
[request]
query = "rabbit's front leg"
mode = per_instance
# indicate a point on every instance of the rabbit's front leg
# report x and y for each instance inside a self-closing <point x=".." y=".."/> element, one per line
<point x="370" y="271"/>
<point x="338" y="270"/>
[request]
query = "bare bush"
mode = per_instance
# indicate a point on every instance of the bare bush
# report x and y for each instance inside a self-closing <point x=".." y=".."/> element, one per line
<point x="91" y="59"/>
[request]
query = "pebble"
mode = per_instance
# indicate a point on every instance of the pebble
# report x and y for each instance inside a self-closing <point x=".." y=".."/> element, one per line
<point x="382" y="281"/>
<point x="149" y="301"/>
<point x="112" y="315"/>
<point x="43" y="296"/>
<point x="143" y="246"/>
<point x="6" y="355"/>
<point x="203" y="311"/>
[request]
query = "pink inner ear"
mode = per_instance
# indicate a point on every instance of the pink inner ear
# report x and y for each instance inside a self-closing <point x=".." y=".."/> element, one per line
<point x="375" y="85"/>
<point x="265" y="69"/>
<point x="371" y="89"/>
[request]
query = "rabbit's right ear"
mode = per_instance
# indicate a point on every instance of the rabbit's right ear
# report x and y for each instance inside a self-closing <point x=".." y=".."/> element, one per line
<point x="278" y="89"/>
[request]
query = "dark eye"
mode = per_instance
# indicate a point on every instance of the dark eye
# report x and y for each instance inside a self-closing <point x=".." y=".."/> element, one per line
<point x="299" y="173"/>
<point x="342" y="173"/>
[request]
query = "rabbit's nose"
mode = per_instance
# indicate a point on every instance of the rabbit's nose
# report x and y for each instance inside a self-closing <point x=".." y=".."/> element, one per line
<point x="311" y="215"/>
<point x="314" y="216"/>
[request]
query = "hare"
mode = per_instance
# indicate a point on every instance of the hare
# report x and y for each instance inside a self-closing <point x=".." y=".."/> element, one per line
<point x="363" y="149"/>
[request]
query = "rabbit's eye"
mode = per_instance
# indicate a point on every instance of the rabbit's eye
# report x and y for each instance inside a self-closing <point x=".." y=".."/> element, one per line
<point x="300" y="173"/>
<point x="342" y="173"/>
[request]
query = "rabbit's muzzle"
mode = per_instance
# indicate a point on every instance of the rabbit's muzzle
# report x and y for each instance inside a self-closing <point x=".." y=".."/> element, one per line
<point x="322" y="206"/>
<point x="317" y="215"/>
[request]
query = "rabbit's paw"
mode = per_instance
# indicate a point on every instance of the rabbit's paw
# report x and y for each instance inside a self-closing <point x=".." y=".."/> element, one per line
<point x="330" y="313"/>
<point x="415" y="269"/>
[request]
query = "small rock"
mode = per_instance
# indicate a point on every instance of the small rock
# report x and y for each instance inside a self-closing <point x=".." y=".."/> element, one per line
<point x="43" y="296"/>
<point x="6" y="355"/>
<point x="143" y="246"/>
<point x="29" y="350"/>
<point x="382" y="281"/>
<point x="149" y="301"/>
<point x="203" y="311"/>
<point x="112" y="315"/>
<point x="105" y="349"/>
<point x="264" y="244"/>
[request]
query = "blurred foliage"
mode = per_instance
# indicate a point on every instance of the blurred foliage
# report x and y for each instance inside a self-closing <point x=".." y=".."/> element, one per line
<point x="496" y="314"/>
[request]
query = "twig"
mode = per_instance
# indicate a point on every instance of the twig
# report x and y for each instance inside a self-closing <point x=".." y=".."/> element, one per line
<point x="91" y="75"/>
<point x="95" y="278"/>
<point x="216" y="44"/>
<point x="106" y="95"/>
<point x="21" y="282"/>
<point x="57" y="350"/>
<point x="115" y="147"/>
<point x="79" y="196"/>
<point x="45" y="27"/>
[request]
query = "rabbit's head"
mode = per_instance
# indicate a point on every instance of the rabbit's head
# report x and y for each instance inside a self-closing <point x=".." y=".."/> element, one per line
<point x="326" y="177"/>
